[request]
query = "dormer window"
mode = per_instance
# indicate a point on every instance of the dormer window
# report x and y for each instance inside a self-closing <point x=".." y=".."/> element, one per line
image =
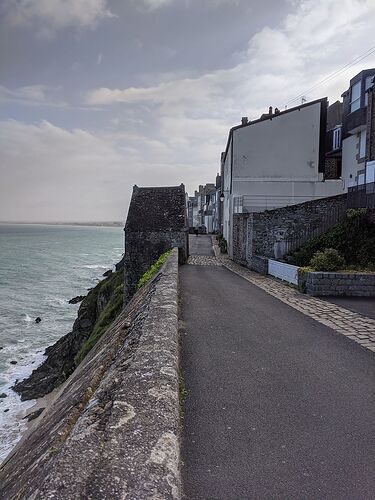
<point x="337" y="138"/>
<point x="355" y="97"/>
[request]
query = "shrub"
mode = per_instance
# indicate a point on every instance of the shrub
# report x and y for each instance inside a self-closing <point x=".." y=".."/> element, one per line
<point x="328" y="260"/>
<point x="222" y="242"/>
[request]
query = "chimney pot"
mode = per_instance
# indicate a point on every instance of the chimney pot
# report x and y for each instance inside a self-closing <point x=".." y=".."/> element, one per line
<point x="244" y="120"/>
<point x="270" y="110"/>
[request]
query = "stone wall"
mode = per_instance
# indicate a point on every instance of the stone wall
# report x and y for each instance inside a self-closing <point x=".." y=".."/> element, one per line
<point x="156" y="222"/>
<point x="273" y="233"/>
<point x="337" y="284"/>
<point x="112" y="430"/>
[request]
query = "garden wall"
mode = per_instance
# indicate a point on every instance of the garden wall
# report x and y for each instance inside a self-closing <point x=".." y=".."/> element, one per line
<point x="337" y="284"/>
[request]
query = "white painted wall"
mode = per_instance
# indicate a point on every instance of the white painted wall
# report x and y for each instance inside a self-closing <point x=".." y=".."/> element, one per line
<point x="227" y="196"/>
<point x="350" y="164"/>
<point x="286" y="147"/>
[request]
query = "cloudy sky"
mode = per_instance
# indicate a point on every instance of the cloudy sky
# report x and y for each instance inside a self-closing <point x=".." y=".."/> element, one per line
<point x="98" y="95"/>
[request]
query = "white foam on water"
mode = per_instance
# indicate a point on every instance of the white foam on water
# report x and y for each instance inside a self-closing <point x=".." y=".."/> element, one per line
<point x="95" y="266"/>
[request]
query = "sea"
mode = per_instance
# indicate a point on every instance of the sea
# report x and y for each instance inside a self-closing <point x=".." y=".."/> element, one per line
<point x="41" y="268"/>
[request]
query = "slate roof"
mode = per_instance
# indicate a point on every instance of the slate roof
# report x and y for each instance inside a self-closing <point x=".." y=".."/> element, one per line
<point x="157" y="209"/>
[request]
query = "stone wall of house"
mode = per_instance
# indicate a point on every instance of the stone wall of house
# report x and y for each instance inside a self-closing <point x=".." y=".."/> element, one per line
<point x="156" y="222"/>
<point x="337" y="284"/>
<point x="273" y="233"/>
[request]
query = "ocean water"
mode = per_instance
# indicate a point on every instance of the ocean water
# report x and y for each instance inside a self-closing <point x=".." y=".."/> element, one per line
<point x="41" y="268"/>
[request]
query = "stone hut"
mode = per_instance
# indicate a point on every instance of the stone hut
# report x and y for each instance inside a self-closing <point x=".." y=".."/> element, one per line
<point x="156" y="222"/>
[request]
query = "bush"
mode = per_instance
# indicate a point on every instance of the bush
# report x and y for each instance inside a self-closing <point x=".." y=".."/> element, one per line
<point x="354" y="239"/>
<point x="328" y="260"/>
<point x="222" y="242"/>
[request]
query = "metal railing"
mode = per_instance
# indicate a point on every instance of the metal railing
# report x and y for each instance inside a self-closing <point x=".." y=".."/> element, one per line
<point x="313" y="229"/>
<point x="362" y="196"/>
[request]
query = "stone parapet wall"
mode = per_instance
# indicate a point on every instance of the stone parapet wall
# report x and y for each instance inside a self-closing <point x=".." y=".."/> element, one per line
<point x="112" y="430"/>
<point x="337" y="284"/>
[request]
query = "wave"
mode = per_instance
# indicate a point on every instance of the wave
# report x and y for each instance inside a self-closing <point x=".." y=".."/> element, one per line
<point x="95" y="266"/>
<point x="28" y="319"/>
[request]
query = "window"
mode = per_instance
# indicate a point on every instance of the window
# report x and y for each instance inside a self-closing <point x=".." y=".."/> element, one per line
<point x="362" y="144"/>
<point x="337" y="138"/>
<point x="355" y="102"/>
<point x="368" y="84"/>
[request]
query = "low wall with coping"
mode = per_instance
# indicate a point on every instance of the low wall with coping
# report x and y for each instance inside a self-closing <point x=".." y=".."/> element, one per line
<point x="112" y="430"/>
<point x="336" y="284"/>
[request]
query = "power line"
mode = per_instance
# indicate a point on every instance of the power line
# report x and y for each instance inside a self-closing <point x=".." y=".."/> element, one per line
<point x="362" y="56"/>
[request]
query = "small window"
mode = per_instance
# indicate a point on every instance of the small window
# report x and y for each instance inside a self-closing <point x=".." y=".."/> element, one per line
<point x="355" y="102"/>
<point x="362" y="144"/>
<point x="337" y="138"/>
<point x="368" y="84"/>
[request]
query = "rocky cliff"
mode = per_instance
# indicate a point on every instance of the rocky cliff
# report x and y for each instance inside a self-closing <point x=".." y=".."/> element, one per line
<point x="97" y="311"/>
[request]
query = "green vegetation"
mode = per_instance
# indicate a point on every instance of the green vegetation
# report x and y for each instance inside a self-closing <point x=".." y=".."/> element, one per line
<point x="328" y="260"/>
<point x="353" y="239"/>
<point x="153" y="269"/>
<point x="222" y="242"/>
<point x="112" y="290"/>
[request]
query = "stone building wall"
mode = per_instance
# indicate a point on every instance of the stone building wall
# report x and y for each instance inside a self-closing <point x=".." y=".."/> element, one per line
<point x="271" y="233"/>
<point x="156" y="223"/>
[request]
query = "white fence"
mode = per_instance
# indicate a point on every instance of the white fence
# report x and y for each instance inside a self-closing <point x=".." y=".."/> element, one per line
<point x="285" y="272"/>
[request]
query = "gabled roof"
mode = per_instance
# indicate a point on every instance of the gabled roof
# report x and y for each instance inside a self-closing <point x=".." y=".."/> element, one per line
<point x="157" y="209"/>
<point x="323" y="101"/>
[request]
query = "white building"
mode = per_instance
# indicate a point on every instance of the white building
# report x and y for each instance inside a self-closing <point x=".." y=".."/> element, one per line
<point x="276" y="161"/>
<point x="356" y="169"/>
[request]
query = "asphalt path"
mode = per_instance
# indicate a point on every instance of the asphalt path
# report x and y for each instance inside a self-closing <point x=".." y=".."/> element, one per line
<point x="278" y="406"/>
<point x="200" y="245"/>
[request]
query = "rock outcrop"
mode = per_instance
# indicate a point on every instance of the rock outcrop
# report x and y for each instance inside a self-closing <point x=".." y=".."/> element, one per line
<point x="62" y="356"/>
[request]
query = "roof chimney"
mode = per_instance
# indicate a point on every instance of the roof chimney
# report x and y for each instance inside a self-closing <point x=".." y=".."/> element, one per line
<point x="244" y="120"/>
<point x="270" y="110"/>
<point x="277" y="111"/>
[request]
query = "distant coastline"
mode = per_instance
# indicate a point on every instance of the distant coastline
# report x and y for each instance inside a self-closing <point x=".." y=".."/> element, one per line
<point x="96" y="224"/>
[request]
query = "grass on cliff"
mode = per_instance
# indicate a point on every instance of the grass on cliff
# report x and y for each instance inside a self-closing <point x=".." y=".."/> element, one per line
<point x="153" y="269"/>
<point x="113" y="289"/>
<point x="354" y="240"/>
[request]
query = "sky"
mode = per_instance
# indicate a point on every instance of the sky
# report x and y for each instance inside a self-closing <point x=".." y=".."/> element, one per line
<point x="99" y="95"/>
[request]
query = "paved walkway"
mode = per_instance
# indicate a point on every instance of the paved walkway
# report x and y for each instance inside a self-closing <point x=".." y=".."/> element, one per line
<point x="278" y="404"/>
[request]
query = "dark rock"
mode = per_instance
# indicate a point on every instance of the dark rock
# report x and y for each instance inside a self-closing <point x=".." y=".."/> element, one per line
<point x="60" y="362"/>
<point x="6" y="410"/>
<point x="3" y="395"/>
<point x="1" y="348"/>
<point x="107" y="273"/>
<point x="38" y="320"/>
<point x="35" y="414"/>
<point x="120" y="265"/>
<point x="13" y="362"/>
<point x="76" y="300"/>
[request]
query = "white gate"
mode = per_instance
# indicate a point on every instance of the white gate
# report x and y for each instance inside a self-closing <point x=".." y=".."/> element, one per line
<point x="285" y="272"/>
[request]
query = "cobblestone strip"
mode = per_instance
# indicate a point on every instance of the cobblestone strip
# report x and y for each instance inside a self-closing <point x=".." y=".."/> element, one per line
<point x="203" y="260"/>
<point x="356" y="327"/>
